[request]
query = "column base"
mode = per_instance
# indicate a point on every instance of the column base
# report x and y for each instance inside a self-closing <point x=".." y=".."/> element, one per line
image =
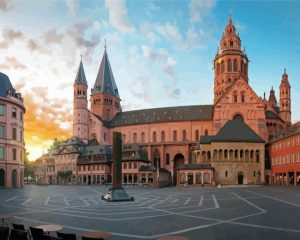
<point x="116" y="195"/>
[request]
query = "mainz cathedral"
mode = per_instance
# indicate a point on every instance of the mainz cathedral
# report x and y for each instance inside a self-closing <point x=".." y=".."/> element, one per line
<point x="223" y="142"/>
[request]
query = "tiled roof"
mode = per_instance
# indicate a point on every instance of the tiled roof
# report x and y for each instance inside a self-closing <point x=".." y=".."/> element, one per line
<point x="271" y="115"/>
<point x="234" y="131"/>
<point x="194" y="166"/>
<point x="167" y="114"/>
<point x="80" y="77"/>
<point x="105" y="81"/>
<point x="293" y="130"/>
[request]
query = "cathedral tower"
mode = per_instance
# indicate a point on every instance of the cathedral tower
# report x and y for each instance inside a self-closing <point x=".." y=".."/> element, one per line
<point x="285" y="99"/>
<point x="105" y="100"/>
<point x="230" y="62"/>
<point x="80" y="111"/>
<point x="272" y="98"/>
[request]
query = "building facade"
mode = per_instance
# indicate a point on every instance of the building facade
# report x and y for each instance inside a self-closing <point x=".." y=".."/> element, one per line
<point x="12" y="146"/>
<point x="170" y="135"/>
<point x="284" y="153"/>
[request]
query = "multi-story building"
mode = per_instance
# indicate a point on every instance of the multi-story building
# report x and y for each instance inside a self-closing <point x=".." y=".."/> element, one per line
<point x="12" y="146"/>
<point x="284" y="151"/>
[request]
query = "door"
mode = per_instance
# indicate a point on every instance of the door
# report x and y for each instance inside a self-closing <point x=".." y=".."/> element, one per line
<point x="2" y="178"/>
<point x="14" y="178"/>
<point x="190" y="179"/>
<point x="240" y="178"/>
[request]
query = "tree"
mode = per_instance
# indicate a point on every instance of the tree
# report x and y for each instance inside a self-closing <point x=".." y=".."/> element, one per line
<point x="55" y="144"/>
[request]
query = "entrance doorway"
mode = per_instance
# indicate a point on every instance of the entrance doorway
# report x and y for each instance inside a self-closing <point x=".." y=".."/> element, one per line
<point x="14" y="178"/>
<point x="240" y="178"/>
<point x="178" y="160"/>
<point x="190" y="179"/>
<point x="2" y="178"/>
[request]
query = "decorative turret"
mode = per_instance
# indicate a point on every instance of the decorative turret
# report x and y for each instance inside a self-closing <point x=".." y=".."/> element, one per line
<point x="285" y="99"/>
<point x="230" y="62"/>
<point x="105" y="100"/>
<point x="80" y="111"/>
<point x="272" y="98"/>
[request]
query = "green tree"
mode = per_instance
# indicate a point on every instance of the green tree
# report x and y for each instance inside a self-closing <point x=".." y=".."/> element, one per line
<point x="55" y="144"/>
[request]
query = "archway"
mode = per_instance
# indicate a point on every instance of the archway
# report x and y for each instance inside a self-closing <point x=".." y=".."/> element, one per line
<point x="240" y="178"/>
<point x="238" y="117"/>
<point x="89" y="179"/>
<point x="14" y="178"/>
<point x="2" y="178"/>
<point x="178" y="160"/>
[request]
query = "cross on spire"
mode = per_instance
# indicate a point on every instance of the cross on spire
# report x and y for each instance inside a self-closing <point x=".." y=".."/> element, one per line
<point x="104" y="43"/>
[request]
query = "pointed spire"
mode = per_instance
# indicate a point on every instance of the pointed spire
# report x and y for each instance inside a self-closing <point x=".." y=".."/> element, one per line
<point x="264" y="95"/>
<point x="105" y="81"/>
<point x="230" y="19"/>
<point x="80" y="77"/>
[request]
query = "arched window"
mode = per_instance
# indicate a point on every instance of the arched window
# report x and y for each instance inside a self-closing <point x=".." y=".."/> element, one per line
<point x="235" y="65"/>
<point x="229" y="65"/>
<point x="197" y="135"/>
<point x="134" y="137"/>
<point x="245" y="69"/>
<point x="218" y="68"/>
<point x="206" y="132"/>
<point x="154" y="137"/>
<point x="174" y="135"/>
<point x="234" y="97"/>
<point x="231" y="43"/>
<point x="183" y="135"/>
<point x="124" y="138"/>
<point x="243" y="96"/>
<point x="142" y="137"/>
<point x="242" y="67"/>
<point x="222" y="67"/>
<point x="226" y="173"/>
<point x="167" y="159"/>
<point x="163" y="136"/>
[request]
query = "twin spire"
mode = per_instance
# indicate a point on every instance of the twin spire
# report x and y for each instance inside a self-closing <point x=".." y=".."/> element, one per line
<point x="105" y="81"/>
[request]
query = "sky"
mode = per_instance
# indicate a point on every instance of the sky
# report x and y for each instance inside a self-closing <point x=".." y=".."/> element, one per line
<point x="161" y="53"/>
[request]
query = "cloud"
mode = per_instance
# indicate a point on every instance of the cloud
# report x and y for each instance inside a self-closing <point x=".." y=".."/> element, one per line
<point x="10" y="36"/>
<point x="45" y="119"/>
<point x="72" y="6"/>
<point x="4" y="6"/>
<point x="200" y="8"/>
<point x="170" y="32"/>
<point x="12" y="62"/>
<point x="118" y="15"/>
<point x="166" y="62"/>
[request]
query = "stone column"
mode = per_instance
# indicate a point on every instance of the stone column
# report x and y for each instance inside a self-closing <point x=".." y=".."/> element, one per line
<point x="117" y="159"/>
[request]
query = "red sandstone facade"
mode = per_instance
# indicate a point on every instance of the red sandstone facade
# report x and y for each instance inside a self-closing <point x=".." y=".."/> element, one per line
<point x="169" y="135"/>
<point x="285" y="157"/>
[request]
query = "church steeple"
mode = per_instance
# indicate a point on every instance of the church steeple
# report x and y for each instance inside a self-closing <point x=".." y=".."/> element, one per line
<point x="105" y="99"/>
<point x="105" y="81"/>
<point x="80" y="110"/>
<point x="272" y="98"/>
<point x="80" y="77"/>
<point x="285" y="98"/>
<point x="230" y="62"/>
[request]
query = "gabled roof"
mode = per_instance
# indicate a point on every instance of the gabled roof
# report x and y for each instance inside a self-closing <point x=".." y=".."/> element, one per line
<point x="291" y="131"/>
<point x="5" y="85"/>
<point x="80" y="77"/>
<point x="105" y="81"/>
<point x="235" y="131"/>
<point x="167" y="114"/>
<point x="271" y="115"/>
